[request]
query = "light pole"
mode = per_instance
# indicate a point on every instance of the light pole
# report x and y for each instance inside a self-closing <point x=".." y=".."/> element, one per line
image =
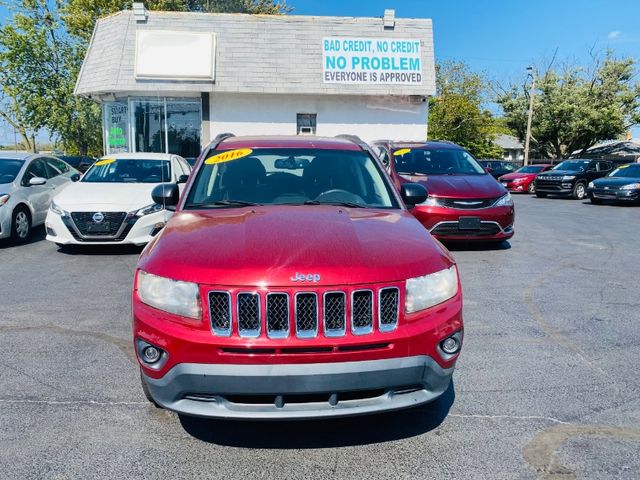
<point x="532" y="94"/>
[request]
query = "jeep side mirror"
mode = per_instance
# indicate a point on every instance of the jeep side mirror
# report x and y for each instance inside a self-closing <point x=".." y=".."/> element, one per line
<point x="37" y="181"/>
<point x="413" y="193"/>
<point x="166" y="194"/>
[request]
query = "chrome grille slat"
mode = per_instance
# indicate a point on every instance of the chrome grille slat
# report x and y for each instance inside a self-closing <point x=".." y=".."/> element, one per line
<point x="306" y="315"/>
<point x="248" y="305"/>
<point x="361" y="312"/>
<point x="335" y="314"/>
<point x="277" y="315"/>
<point x="220" y="311"/>
<point x="388" y="308"/>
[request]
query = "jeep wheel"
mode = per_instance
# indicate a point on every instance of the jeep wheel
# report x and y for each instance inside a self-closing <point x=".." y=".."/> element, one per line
<point x="579" y="191"/>
<point x="21" y="225"/>
<point x="532" y="188"/>
<point x="541" y="195"/>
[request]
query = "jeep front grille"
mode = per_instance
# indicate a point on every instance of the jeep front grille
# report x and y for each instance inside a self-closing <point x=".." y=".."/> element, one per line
<point x="304" y="314"/>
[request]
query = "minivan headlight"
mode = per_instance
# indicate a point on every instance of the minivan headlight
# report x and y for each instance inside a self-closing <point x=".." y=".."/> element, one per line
<point x="631" y="186"/>
<point x="430" y="202"/>
<point x="429" y="290"/>
<point x="173" y="296"/>
<point x="504" y="201"/>
<point x="591" y="185"/>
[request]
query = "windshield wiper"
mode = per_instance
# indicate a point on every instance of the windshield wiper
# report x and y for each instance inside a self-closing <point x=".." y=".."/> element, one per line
<point x="337" y="203"/>
<point x="223" y="203"/>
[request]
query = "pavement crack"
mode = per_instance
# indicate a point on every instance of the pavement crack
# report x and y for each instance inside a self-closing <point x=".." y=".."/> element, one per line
<point x="510" y="417"/>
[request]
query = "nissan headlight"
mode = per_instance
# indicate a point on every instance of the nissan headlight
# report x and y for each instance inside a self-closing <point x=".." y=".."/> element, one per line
<point x="566" y="178"/>
<point x="55" y="208"/>
<point x="591" y="185"/>
<point x="504" y="201"/>
<point x="173" y="296"/>
<point x="153" y="208"/>
<point x="631" y="186"/>
<point x="4" y="198"/>
<point x="429" y="290"/>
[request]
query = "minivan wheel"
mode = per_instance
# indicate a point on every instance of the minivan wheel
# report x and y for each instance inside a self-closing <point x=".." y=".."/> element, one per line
<point x="541" y="195"/>
<point x="21" y="225"/>
<point x="147" y="393"/>
<point x="579" y="191"/>
<point x="532" y="188"/>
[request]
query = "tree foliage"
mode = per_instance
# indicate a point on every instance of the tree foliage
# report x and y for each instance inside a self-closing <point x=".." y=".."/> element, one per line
<point x="456" y="113"/>
<point x="575" y="108"/>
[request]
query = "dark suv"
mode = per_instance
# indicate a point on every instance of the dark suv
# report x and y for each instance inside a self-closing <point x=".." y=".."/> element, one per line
<point x="571" y="177"/>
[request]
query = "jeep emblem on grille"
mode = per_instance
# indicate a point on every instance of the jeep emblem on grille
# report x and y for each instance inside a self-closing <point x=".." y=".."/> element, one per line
<point x="301" y="277"/>
<point x="98" y="217"/>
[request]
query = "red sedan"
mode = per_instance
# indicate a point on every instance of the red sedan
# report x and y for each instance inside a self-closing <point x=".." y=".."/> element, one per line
<point x="522" y="180"/>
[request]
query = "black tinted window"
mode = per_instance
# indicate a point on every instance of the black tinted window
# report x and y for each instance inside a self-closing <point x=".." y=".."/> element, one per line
<point x="56" y="167"/>
<point x="37" y="168"/>
<point x="446" y="161"/>
<point x="9" y="169"/>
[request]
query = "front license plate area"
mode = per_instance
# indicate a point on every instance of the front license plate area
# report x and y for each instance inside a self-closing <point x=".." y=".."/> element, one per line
<point x="98" y="228"/>
<point x="469" y="223"/>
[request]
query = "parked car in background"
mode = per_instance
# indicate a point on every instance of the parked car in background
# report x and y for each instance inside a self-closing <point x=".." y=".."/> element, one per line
<point x="292" y="283"/>
<point x="28" y="182"/>
<point x="498" y="168"/>
<point x="111" y="203"/>
<point x="621" y="185"/>
<point x="465" y="203"/>
<point x="79" y="162"/>
<point x="571" y="177"/>
<point x="522" y="180"/>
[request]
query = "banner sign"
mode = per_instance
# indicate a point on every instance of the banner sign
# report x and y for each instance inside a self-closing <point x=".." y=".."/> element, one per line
<point x="384" y="61"/>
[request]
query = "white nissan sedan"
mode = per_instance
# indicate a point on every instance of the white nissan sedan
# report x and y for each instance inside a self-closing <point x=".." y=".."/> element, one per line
<point x="111" y="203"/>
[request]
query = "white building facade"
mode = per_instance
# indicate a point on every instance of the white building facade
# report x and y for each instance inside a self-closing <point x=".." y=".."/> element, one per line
<point x="170" y="82"/>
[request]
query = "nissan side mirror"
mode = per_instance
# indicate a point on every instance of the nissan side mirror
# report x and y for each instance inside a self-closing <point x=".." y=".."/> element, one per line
<point x="183" y="178"/>
<point x="75" y="177"/>
<point x="37" y="181"/>
<point x="166" y="194"/>
<point x="413" y="194"/>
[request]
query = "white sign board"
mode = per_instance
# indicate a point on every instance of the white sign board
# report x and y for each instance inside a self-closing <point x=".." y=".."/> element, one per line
<point x="175" y="55"/>
<point x="384" y="61"/>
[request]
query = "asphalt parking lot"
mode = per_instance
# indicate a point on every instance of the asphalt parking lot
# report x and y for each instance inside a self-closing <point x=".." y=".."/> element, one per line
<point x="547" y="386"/>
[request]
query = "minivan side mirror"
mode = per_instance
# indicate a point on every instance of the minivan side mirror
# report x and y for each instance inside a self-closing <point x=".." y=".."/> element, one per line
<point x="183" y="178"/>
<point x="413" y="193"/>
<point x="166" y="194"/>
<point x="37" y="181"/>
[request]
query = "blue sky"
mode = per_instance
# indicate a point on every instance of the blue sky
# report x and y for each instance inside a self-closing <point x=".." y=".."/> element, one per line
<point x="502" y="37"/>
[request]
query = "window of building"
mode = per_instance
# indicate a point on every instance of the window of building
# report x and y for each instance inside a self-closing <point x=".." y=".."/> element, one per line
<point x="116" y="127"/>
<point x="306" y="124"/>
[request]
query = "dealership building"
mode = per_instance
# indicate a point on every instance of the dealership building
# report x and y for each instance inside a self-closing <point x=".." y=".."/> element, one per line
<point x="170" y="82"/>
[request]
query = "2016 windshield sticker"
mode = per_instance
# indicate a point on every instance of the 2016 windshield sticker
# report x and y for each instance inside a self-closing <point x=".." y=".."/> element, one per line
<point x="105" y="161"/>
<point x="401" y="152"/>
<point x="228" y="156"/>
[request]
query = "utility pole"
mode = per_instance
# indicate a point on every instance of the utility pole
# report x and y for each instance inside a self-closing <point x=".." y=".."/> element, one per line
<point x="532" y="94"/>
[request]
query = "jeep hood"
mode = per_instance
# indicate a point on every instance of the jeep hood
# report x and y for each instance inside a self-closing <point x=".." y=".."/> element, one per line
<point x="460" y="186"/>
<point x="268" y="245"/>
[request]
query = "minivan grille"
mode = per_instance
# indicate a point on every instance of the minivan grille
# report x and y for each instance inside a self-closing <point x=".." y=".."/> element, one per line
<point x="304" y="314"/>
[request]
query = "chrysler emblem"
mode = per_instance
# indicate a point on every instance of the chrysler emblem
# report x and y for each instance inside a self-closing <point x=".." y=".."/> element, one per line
<point x="98" y="217"/>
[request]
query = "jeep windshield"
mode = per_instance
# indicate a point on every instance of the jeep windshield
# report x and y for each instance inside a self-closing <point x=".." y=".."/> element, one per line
<point x="289" y="176"/>
<point x="630" y="171"/>
<point x="446" y="161"/>
<point x="110" y="170"/>
<point x="573" y="165"/>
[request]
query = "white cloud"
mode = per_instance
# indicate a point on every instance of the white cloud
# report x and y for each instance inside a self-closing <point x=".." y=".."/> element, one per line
<point x="613" y="35"/>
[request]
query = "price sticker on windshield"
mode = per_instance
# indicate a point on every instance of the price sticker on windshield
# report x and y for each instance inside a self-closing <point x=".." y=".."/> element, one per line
<point x="105" y="161"/>
<point x="402" y="151"/>
<point x="228" y="156"/>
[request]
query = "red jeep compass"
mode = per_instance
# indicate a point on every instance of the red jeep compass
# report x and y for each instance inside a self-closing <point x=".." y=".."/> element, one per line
<point x="464" y="203"/>
<point x="292" y="282"/>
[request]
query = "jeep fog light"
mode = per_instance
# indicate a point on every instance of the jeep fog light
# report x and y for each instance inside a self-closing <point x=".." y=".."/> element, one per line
<point x="450" y="345"/>
<point x="151" y="354"/>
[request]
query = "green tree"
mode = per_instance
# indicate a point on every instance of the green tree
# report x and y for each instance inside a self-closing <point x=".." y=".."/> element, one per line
<point x="456" y="113"/>
<point x="575" y="108"/>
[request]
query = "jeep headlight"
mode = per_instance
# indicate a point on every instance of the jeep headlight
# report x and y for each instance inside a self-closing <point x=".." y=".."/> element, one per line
<point x="55" y="208"/>
<point x="153" y="208"/>
<point x="566" y="178"/>
<point x="173" y="296"/>
<point x="631" y="186"/>
<point x="429" y="290"/>
<point x="504" y="201"/>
